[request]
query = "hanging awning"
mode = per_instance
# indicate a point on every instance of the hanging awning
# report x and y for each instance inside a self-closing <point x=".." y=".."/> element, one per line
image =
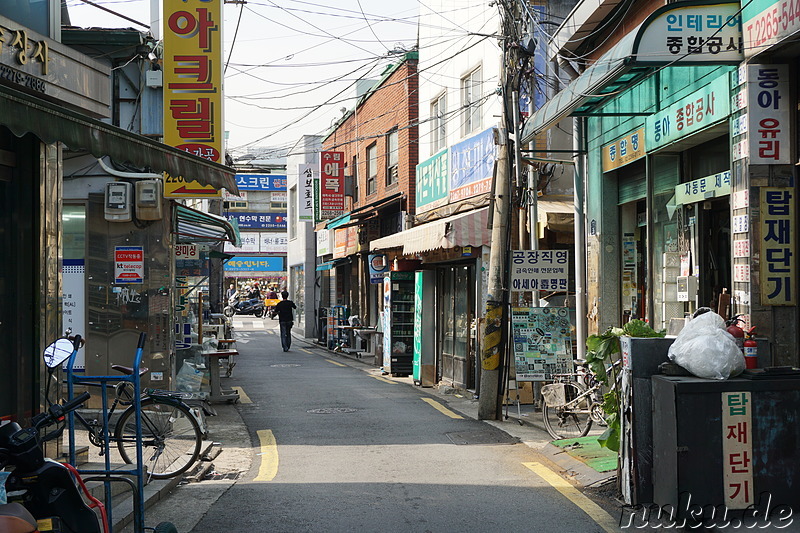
<point x="556" y="213"/>
<point x="463" y="229"/>
<point x="50" y="122"/>
<point x="364" y="212"/>
<point x="635" y="55"/>
<point x="197" y="227"/>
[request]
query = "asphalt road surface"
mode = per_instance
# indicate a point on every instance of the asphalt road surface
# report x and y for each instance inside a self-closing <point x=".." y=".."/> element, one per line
<point x="338" y="447"/>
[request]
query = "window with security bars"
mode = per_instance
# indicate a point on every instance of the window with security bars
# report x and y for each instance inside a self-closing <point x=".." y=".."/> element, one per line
<point x="392" y="157"/>
<point x="438" y="125"/>
<point x="471" y="101"/>
<point x="372" y="169"/>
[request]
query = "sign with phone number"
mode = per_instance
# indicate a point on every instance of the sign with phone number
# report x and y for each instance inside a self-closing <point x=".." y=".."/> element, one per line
<point x="765" y="22"/>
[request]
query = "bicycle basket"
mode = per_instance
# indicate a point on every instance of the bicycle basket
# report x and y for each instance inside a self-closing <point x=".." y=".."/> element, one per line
<point x="554" y="395"/>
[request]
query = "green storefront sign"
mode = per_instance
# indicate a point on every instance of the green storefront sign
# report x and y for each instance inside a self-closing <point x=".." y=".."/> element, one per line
<point x="433" y="181"/>
<point x="690" y="114"/>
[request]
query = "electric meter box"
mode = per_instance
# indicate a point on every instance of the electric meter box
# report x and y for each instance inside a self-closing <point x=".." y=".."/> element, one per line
<point x="148" y="200"/>
<point x="118" y="201"/>
<point x="687" y="288"/>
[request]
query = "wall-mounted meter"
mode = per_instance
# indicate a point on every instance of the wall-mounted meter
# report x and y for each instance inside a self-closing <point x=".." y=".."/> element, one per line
<point x="118" y="201"/>
<point x="687" y="288"/>
<point x="148" y="200"/>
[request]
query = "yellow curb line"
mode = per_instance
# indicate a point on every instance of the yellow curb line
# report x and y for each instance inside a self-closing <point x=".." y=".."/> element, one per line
<point x="304" y="350"/>
<point x="595" y="512"/>
<point x="269" y="456"/>
<point x="441" y="408"/>
<point x="334" y="362"/>
<point x="243" y="398"/>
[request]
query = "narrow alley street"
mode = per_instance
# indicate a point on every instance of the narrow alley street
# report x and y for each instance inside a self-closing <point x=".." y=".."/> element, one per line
<point x="336" y="446"/>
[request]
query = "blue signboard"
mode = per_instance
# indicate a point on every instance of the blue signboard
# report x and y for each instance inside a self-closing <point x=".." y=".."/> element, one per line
<point x="261" y="182"/>
<point x="258" y="220"/>
<point x="254" y="264"/>
<point x="471" y="166"/>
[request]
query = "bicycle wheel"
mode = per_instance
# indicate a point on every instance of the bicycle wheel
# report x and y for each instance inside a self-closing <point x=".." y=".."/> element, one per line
<point x="171" y="438"/>
<point x="571" y="420"/>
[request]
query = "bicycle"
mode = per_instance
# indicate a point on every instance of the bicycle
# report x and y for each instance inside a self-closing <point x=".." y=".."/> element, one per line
<point x="573" y="402"/>
<point x="171" y="434"/>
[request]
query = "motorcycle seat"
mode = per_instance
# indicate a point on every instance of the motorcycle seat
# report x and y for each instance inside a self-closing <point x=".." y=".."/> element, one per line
<point x="14" y="518"/>
<point x="128" y="371"/>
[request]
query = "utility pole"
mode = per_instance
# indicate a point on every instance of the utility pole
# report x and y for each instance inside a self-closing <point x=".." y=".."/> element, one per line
<point x="493" y="345"/>
<point x="496" y="317"/>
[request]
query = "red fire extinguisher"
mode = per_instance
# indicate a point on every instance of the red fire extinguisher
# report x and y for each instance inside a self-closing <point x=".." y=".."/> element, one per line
<point x="736" y="331"/>
<point x="750" y="350"/>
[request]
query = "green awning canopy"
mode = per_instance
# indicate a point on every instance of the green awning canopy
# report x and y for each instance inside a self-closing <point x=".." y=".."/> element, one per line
<point x="22" y="114"/>
<point x="634" y="56"/>
<point x="198" y="227"/>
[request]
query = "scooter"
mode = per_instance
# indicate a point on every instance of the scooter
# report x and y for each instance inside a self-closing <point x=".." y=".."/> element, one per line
<point x="45" y="496"/>
<point x="253" y="306"/>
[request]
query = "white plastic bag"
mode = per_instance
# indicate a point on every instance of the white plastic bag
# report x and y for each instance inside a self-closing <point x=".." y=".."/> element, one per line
<point x="706" y="350"/>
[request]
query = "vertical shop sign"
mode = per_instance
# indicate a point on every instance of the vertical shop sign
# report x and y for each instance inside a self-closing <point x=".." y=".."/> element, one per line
<point x="193" y="87"/>
<point x="331" y="185"/>
<point x="778" y="272"/>
<point x="73" y="283"/>
<point x="305" y="186"/>
<point x="378" y="267"/>
<point x="128" y="264"/>
<point x="769" y="114"/>
<point x="737" y="450"/>
<point x="183" y="328"/>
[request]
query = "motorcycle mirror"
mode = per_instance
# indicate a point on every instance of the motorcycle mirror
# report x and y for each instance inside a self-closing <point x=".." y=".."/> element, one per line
<point x="57" y="353"/>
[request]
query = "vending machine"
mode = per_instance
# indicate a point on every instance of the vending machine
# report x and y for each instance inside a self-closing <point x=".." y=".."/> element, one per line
<point x="398" y="335"/>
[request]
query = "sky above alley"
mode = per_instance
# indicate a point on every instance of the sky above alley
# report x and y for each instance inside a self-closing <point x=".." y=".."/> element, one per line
<point x="291" y="65"/>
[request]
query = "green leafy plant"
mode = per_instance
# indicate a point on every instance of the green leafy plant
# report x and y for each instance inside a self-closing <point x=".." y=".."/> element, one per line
<point x="602" y="350"/>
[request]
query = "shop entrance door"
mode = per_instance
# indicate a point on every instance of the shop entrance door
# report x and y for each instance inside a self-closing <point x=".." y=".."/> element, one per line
<point x="457" y="304"/>
<point x="715" y="251"/>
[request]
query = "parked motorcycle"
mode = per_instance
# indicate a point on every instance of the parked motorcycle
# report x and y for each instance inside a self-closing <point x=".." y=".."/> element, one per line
<point x="44" y="495"/>
<point x="254" y="306"/>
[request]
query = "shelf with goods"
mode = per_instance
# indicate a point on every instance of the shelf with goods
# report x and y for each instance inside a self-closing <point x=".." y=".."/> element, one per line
<point x="401" y="331"/>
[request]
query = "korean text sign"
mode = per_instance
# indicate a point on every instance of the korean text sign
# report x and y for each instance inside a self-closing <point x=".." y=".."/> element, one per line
<point x="472" y="166"/>
<point x="737" y="450"/>
<point x="778" y="247"/>
<point x="624" y="150"/>
<point x="331" y="185"/>
<point x="261" y="182"/>
<point x="306" y="176"/>
<point x="433" y="181"/>
<point x="128" y="264"/>
<point x="706" y="106"/>
<point x="543" y="270"/>
<point x="769" y="109"/>
<point x="258" y="220"/>
<point x="193" y="86"/>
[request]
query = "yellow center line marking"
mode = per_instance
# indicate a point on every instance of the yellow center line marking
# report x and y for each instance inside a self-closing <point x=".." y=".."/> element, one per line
<point x="385" y="380"/>
<point x="243" y="398"/>
<point x="304" y="350"/>
<point x="595" y="512"/>
<point x="441" y="408"/>
<point x="334" y="363"/>
<point x="269" y="456"/>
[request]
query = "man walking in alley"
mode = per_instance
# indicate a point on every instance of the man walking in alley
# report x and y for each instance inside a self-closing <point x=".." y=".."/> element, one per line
<point x="286" y="319"/>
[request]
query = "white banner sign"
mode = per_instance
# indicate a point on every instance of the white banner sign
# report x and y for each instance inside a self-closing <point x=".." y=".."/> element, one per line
<point x="249" y="243"/>
<point x="324" y="242"/>
<point x="273" y="242"/>
<point x="543" y="270"/>
<point x="306" y="177"/>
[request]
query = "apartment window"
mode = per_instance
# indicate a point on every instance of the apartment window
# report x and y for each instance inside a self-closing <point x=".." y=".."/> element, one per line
<point x="277" y="201"/>
<point x="372" y="169"/>
<point x="438" y="127"/>
<point x="471" y="101"/>
<point x="234" y="205"/>
<point x="391" y="157"/>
